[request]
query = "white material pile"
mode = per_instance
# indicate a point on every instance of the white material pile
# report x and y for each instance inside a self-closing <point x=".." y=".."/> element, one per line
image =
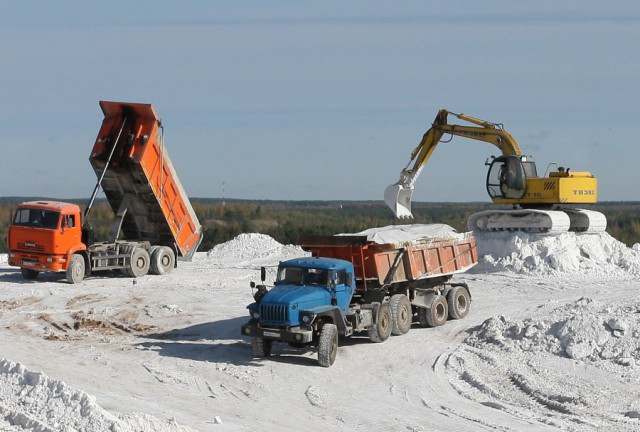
<point x="605" y="334"/>
<point x="398" y="234"/>
<point x="253" y="247"/>
<point x="594" y="254"/>
<point x="573" y="366"/>
<point x="31" y="401"/>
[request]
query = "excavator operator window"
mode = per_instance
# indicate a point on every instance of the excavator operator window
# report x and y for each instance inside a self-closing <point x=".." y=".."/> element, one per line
<point x="507" y="178"/>
<point x="530" y="169"/>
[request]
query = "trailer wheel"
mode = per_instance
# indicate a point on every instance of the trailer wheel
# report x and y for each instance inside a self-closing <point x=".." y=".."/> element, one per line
<point x="381" y="329"/>
<point x="76" y="269"/>
<point x="328" y="345"/>
<point x="29" y="274"/>
<point x="436" y="315"/>
<point x="139" y="263"/>
<point x="401" y="314"/>
<point x="459" y="302"/>
<point x="162" y="260"/>
<point x="261" y="347"/>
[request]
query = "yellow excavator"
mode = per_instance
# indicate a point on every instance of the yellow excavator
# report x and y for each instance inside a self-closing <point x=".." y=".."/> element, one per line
<point x="512" y="179"/>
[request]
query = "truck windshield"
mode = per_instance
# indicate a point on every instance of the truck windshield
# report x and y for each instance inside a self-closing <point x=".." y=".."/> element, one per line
<point x="302" y="276"/>
<point x="36" y="218"/>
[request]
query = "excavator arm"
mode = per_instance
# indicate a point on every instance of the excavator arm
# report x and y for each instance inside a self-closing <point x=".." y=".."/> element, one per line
<point x="398" y="195"/>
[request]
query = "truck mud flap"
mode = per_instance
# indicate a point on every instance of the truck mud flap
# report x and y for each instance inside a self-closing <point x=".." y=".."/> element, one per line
<point x="423" y="299"/>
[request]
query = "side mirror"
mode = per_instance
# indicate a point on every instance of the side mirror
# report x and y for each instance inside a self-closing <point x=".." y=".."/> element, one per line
<point x="252" y="284"/>
<point x="263" y="274"/>
<point x="333" y="281"/>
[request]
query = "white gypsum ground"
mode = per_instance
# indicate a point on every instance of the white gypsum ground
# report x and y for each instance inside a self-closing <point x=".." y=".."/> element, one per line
<point x="560" y="353"/>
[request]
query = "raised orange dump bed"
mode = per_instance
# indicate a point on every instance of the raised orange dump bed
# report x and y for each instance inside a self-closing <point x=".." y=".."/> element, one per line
<point x="382" y="264"/>
<point x="141" y="178"/>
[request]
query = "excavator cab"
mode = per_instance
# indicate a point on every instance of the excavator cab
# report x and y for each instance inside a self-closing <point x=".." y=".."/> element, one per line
<point x="507" y="176"/>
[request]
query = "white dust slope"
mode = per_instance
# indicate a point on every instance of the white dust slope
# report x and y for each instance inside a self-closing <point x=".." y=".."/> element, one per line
<point x="31" y="401"/>
<point x="568" y="253"/>
<point x="574" y="366"/>
<point x="253" y="248"/>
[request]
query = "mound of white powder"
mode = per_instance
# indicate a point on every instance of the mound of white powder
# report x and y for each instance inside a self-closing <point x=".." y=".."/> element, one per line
<point x="593" y="254"/>
<point x="31" y="401"/>
<point x="606" y="334"/>
<point x="251" y="247"/>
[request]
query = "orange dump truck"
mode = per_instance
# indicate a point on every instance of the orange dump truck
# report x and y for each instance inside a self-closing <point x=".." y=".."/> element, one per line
<point x="155" y="223"/>
<point x="412" y="274"/>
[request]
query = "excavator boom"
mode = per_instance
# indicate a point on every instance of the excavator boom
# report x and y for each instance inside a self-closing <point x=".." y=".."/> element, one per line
<point x="398" y="195"/>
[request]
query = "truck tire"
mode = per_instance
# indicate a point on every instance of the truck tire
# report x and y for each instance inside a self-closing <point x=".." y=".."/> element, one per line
<point x="76" y="269"/>
<point x="401" y="314"/>
<point x="29" y="274"/>
<point x="381" y="329"/>
<point x="459" y="302"/>
<point x="328" y="345"/>
<point x="261" y="347"/>
<point x="139" y="263"/>
<point x="162" y="260"/>
<point x="436" y="315"/>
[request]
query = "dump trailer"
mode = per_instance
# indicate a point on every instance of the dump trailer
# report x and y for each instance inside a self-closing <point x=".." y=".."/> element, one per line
<point x="354" y="285"/>
<point x="155" y="223"/>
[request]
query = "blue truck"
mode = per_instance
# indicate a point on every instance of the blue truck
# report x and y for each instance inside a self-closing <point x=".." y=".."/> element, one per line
<point x="351" y="285"/>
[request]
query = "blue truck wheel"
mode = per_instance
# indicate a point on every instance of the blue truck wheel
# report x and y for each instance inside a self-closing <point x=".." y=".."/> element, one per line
<point x="401" y="314"/>
<point x="261" y="347"/>
<point x="436" y="314"/>
<point x="381" y="328"/>
<point x="459" y="302"/>
<point x="328" y="345"/>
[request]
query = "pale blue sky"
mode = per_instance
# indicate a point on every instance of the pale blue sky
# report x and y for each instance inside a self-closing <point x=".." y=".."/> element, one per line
<point x="320" y="100"/>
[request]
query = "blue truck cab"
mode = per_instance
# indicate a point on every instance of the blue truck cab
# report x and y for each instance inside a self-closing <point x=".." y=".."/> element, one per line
<point x="308" y="304"/>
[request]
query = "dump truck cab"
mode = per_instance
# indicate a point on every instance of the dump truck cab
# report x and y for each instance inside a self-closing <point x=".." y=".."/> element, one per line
<point x="43" y="235"/>
<point x="308" y="294"/>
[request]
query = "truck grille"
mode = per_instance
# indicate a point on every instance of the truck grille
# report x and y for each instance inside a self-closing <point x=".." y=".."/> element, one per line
<point x="30" y="245"/>
<point x="274" y="312"/>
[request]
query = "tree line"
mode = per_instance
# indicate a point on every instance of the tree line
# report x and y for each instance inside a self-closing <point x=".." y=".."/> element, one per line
<point x="289" y="221"/>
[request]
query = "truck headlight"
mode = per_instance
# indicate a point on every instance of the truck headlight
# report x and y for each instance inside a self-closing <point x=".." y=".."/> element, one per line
<point x="255" y="315"/>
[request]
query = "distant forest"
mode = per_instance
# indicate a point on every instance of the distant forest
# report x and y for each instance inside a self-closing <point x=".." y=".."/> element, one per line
<point x="288" y="221"/>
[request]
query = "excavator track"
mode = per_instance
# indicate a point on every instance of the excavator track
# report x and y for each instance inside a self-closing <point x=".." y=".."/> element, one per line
<point x="586" y="221"/>
<point x="524" y="220"/>
<point x="538" y="221"/>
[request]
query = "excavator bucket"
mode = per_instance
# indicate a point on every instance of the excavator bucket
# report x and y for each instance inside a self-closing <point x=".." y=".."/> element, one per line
<point x="398" y="198"/>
